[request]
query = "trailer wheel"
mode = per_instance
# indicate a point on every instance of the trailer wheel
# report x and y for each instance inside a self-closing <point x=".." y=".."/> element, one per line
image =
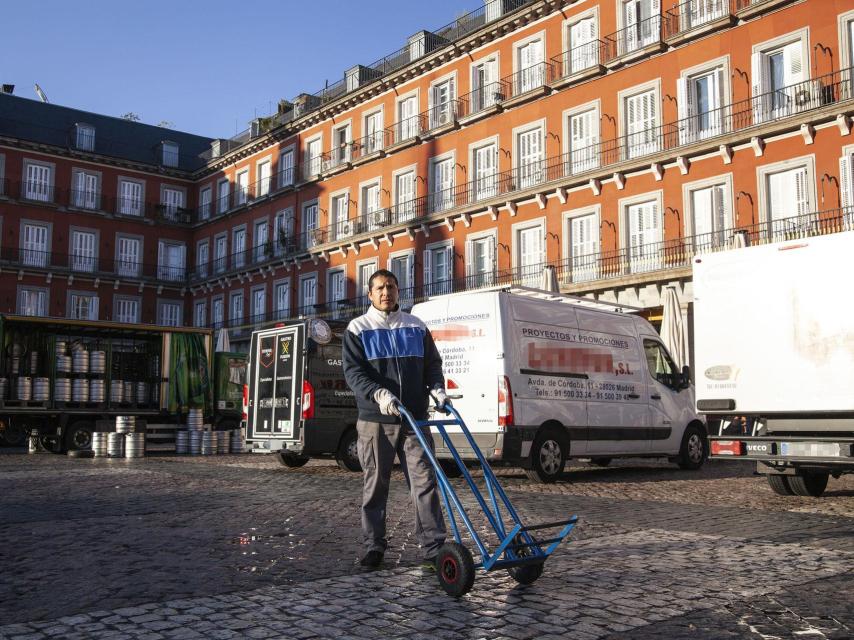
<point x="808" y="483"/>
<point x="13" y="435"/>
<point x="291" y="460"/>
<point x="78" y="436"/>
<point x="548" y="456"/>
<point x="347" y="455"/>
<point x="779" y="484"/>
<point x="528" y="573"/>
<point x="692" y="452"/>
<point x="455" y="569"/>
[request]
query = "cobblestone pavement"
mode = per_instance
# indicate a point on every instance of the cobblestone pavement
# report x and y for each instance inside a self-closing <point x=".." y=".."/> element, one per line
<point x="238" y="547"/>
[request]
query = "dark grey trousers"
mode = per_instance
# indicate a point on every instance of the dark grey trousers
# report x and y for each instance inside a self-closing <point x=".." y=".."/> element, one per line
<point x="378" y="444"/>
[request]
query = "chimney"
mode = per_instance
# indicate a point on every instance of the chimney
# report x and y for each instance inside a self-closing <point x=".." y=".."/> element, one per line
<point x="7" y="88"/>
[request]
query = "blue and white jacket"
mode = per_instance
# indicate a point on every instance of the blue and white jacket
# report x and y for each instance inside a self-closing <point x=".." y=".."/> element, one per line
<point x="394" y="351"/>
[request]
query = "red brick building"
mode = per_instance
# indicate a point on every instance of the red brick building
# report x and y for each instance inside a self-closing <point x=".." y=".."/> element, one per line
<point x="611" y="139"/>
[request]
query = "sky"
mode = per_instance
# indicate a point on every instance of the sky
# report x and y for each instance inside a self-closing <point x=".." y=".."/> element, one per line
<point x="203" y="66"/>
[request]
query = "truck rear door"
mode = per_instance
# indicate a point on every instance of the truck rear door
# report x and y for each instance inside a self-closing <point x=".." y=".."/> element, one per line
<point x="275" y="387"/>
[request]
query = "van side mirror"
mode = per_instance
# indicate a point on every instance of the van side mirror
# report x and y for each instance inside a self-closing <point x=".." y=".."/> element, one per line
<point x="686" y="377"/>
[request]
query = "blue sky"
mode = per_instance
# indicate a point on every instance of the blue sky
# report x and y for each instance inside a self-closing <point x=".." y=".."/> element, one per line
<point x="207" y="67"/>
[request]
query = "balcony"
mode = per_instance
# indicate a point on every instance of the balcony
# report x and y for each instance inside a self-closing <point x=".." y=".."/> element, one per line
<point x="747" y="8"/>
<point x="529" y="83"/>
<point x="370" y="146"/>
<point x="441" y="118"/>
<point x="579" y="63"/>
<point x="482" y="102"/>
<point x="697" y="17"/>
<point x="633" y="42"/>
<point x="407" y="132"/>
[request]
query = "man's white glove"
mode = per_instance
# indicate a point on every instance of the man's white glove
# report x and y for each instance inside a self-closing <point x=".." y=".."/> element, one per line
<point x="387" y="401"/>
<point x="442" y="401"/>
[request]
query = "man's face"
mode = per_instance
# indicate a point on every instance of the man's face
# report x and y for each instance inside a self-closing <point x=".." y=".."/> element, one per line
<point x="383" y="293"/>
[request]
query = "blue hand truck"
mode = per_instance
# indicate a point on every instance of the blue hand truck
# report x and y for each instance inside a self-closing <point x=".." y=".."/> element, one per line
<point x="518" y="550"/>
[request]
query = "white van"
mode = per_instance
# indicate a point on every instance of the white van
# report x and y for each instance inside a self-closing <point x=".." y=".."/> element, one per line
<point x="542" y="377"/>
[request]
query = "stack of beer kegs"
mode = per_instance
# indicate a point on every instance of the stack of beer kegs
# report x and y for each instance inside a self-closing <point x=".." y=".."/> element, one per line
<point x="41" y="389"/>
<point x="237" y="441"/>
<point x="96" y="390"/>
<point x="182" y="441"/>
<point x="80" y="390"/>
<point x="134" y="445"/>
<point x="80" y="361"/>
<point x="125" y="424"/>
<point x="25" y="388"/>
<point x="223" y="440"/>
<point x="208" y="443"/>
<point x="99" y="444"/>
<point x="116" y="391"/>
<point x="115" y="444"/>
<point x="62" y="389"/>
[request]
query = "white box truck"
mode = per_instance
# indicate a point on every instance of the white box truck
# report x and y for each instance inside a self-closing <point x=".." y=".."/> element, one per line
<point x="774" y="343"/>
<point x="542" y="377"/>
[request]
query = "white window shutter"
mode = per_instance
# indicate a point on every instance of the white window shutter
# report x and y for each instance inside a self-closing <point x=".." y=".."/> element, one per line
<point x="469" y="258"/>
<point x="802" y="192"/>
<point x="428" y="267"/>
<point x="685" y="110"/>
<point x="759" y="78"/>
<point x="845" y="182"/>
<point x="793" y="63"/>
<point x="719" y="208"/>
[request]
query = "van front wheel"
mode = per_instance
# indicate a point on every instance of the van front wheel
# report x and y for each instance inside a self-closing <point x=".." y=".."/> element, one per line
<point x="692" y="453"/>
<point x="548" y="456"/>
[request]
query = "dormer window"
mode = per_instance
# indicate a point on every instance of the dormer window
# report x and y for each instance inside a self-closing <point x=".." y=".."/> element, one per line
<point x="85" y="139"/>
<point x="170" y="154"/>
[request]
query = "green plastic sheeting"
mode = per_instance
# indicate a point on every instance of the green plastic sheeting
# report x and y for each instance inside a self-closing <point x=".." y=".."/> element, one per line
<point x="189" y="383"/>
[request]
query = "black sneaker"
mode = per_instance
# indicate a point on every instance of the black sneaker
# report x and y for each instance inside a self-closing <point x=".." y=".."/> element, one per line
<point x="372" y="559"/>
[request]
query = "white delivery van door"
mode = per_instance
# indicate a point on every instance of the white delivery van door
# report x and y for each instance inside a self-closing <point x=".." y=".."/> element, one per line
<point x="547" y="366"/>
<point x="617" y="405"/>
<point x="466" y="332"/>
<point x="667" y="405"/>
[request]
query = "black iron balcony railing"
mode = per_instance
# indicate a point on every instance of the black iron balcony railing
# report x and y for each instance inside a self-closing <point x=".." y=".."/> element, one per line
<point x="483" y="98"/>
<point x="632" y="38"/>
<point x="529" y="79"/>
<point x="85" y="199"/>
<point x="370" y="144"/>
<point x="578" y="59"/>
<point x="87" y="264"/>
<point x="693" y="14"/>
<point x="442" y="115"/>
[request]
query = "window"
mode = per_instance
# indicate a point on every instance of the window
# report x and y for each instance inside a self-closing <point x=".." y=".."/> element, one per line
<point x="128" y="251"/>
<point x="374" y="139"/>
<point x="438" y="269"/>
<point x="846" y="180"/>
<point x="698" y="12"/>
<point x="130" y="197"/>
<point x="582" y="45"/>
<point x="530" y="154"/>
<point x="86" y="190"/>
<point x="34" y="240"/>
<point x="32" y="301"/>
<point x="480" y="261"/>
<point x="441" y="184"/>
<point x="484" y="160"/>
<point x="341" y="216"/>
<point x="364" y="271"/>
<point x="170" y="154"/>
<point x="701" y="97"/>
<point x="284" y="229"/>
<point x="372" y="213"/>
<point x="169" y="314"/>
<point x="341" y="140"/>
<point x="530" y="252"/>
<point x="583" y="233"/>
<point x="202" y="258"/>
<point x="403" y="267"/>
<point x="313" y="158"/>
<point x="486" y="91"/>
<point x="241" y="188"/>
<point x="336" y="287"/>
<point x="408" y="124"/>
<point x="404" y="195"/>
<point x="38" y="181"/>
<point x="286" y="167"/>
<point x="262" y="240"/>
<point x="659" y="363"/>
<point x="205" y="203"/>
<point x="264" y="171"/>
<point x="220" y="253"/>
<point x="708" y="209"/>
<point x="641" y="25"/>
<point x="532" y="70"/>
<point x="222" y="190"/>
<point x="200" y="313"/>
<point x="644" y="235"/>
<point x="583" y="135"/>
<point x="126" y="309"/>
<point x="236" y="306"/>
<point x="238" y="247"/>
<point x="259" y="304"/>
<point x="778" y="72"/>
<point x="641" y="121"/>
<point x="282" y="299"/>
<point x="846" y="40"/>
<point x="788" y="197"/>
<point x="172" y="200"/>
<point x="308" y="293"/>
<point x="82" y="306"/>
<point x="83" y="248"/>
<point x="217" y="312"/>
<point x="314" y="236"/>
<point x="85" y="139"/>
<point x="442" y="103"/>
<point x="171" y="259"/>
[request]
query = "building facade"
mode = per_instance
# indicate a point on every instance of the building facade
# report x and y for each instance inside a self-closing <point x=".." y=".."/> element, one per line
<point x="612" y="140"/>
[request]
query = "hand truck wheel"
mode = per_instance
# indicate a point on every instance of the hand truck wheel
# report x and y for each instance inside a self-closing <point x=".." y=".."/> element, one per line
<point x="455" y="569"/>
<point x="527" y="573"/>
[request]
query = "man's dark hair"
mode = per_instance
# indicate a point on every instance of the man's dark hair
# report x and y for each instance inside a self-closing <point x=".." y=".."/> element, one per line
<point x="381" y="272"/>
